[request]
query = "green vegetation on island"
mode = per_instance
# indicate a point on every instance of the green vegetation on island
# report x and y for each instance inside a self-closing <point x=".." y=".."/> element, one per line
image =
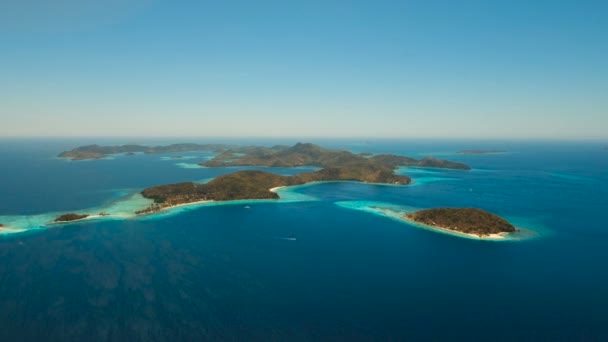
<point x="246" y="185"/>
<point x="70" y="217"/>
<point x="465" y="220"/>
<point x="97" y="152"/>
<point x="395" y="161"/>
<point x="301" y="154"/>
<point x="337" y="165"/>
<point x="306" y="154"/>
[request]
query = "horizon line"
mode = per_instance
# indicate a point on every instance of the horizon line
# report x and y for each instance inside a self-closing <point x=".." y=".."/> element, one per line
<point x="379" y="138"/>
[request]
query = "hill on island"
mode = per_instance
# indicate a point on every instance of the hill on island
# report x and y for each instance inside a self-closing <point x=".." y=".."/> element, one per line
<point x="337" y="165"/>
<point x="300" y="154"/>
<point x="307" y="154"/>
<point x="465" y="220"/>
<point x="252" y="184"/>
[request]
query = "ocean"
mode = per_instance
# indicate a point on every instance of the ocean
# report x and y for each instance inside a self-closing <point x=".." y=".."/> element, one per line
<point x="316" y="265"/>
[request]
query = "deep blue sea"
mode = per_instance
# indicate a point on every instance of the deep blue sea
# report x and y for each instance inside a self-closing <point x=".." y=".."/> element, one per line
<point x="316" y="268"/>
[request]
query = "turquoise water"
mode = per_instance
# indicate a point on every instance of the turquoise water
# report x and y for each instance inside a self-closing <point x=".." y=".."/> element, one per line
<point x="329" y="261"/>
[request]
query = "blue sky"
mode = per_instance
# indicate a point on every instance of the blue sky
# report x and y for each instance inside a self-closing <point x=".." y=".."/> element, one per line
<point x="399" y="69"/>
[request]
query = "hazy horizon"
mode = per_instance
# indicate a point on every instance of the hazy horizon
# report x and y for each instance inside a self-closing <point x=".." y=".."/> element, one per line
<point x="310" y="70"/>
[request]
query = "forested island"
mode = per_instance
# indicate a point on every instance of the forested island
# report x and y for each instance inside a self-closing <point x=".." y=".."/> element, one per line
<point x="246" y="185"/>
<point x="307" y="154"/>
<point x="97" y="152"/>
<point x="337" y="166"/>
<point x="301" y="154"/>
<point x="470" y="221"/>
<point x="70" y="217"/>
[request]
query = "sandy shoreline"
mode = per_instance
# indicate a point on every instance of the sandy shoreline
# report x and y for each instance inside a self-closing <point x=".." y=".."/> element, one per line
<point x="6" y="229"/>
<point x="185" y="204"/>
<point x="90" y="217"/>
<point x="172" y="206"/>
<point x="275" y="189"/>
<point x="115" y="211"/>
<point x="498" y="236"/>
<point x="96" y="216"/>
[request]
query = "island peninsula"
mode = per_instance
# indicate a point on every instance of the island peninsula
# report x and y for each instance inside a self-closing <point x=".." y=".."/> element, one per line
<point x="470" y="221"/>
<point x="336" y="165"/>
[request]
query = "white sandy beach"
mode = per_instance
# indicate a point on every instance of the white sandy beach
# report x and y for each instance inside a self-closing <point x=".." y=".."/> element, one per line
<point x="498" y="236"/>
<point x="90" y="217"/>
<point x="96" y="216"/>
<point x="6" y="229"/>
<point x="186" y="204"/>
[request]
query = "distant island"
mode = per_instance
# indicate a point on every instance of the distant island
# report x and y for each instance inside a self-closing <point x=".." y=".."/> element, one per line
<point x="307" y="154"/>
<point x="1" y="225"/>
<point x="469" y="221"/>
<point x="480" y="151"/>
<point x="301" y="154"/>
<point x="97" y="152"/>
<point x="70" y="217"/>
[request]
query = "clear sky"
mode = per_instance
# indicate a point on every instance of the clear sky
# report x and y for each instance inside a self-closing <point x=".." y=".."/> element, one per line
<point x="404" y="69"/>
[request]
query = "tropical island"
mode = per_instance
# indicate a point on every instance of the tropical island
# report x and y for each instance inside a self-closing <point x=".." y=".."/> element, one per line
<point x="98" y="152"/>
<point x="246" y="185"/>
<point x="71" y="217"/>
<point x="301" y="154"/>
<point x="1" y="225"/>
<point x="470" y="221"/>
<point x="250" y="184"/>
<point x="307" y="154"/>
